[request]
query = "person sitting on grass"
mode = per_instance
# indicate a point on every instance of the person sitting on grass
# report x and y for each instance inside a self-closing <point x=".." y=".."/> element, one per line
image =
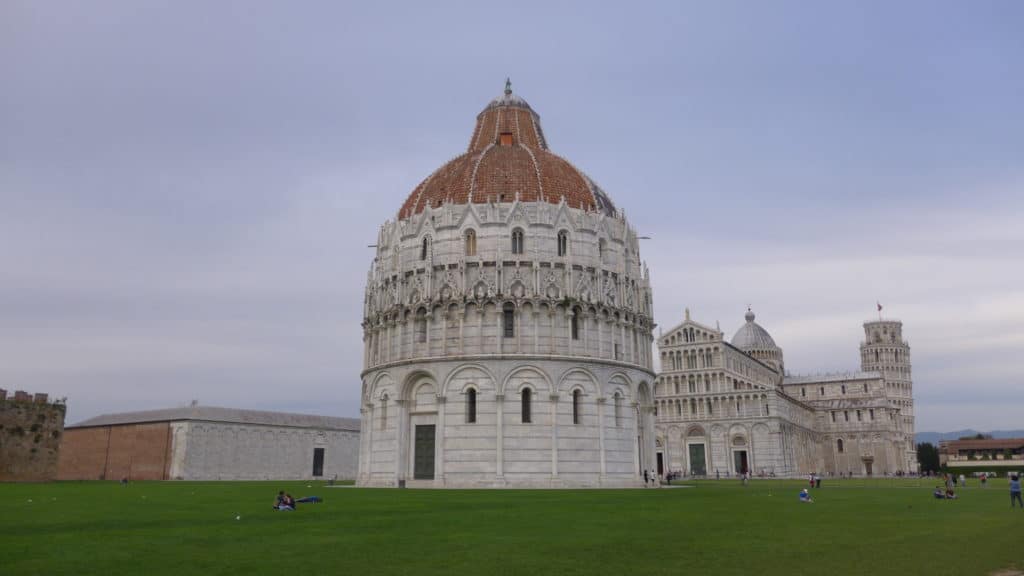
<point x="939" y="494"/>
<point x="282" y="502"/>
<point x="310" y="499"/>
<point x="805" y="497"/>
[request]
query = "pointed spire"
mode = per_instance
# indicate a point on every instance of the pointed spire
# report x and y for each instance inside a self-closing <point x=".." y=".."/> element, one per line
<point x="508" y="86"/>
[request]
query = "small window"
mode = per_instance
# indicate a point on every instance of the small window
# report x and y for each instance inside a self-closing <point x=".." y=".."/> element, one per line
<point x="517" y="241"/>
<point x="471" y="406"/>
<point x="803" y="392"/>
<point x="575" y="325"/>
<point x="865" y="386"/>
<point x="563" y="243"/>
<point x="576" y="406"/>
<point x="871" y="414"/>
<point x="843" y="388"/>
<point x="859" y="418"/>
<point x="425" y="248"/>
<point x="839" y="445"/>
<point x="833" y="416"/>
<point x="821" y="391"/>
<point x="505" y="139"/>
<point x="846" y="415"/>
<point x="508" y="320"/>
<point x="526" y="400"/>
<point x="600" y="248"/>
<point x="470" y="243"/>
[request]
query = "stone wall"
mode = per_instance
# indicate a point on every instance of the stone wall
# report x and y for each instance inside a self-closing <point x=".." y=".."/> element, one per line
<point x="30" y="435"/>
<point x="205" y="451"/>
<point x="229" y="451"/>
<point x="133" y="451"/>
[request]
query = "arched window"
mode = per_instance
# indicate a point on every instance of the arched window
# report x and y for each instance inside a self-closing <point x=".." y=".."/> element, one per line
<point x="527" y="398"/>
<point x="471" y="406"/>
<point x="563" y="243"/>
<point x="618" y="410"/>
<point x="425" y="248"/>
<point x="575" y="324"/>
<point x="601" y="248"/>
<point x="508" y="320"/>
<point x="839" y="445"/>
<point x="517" y="241"/>
<point x="576" y="406"/>
<point x="421" y="326"/>
<point x="470" y="242"/>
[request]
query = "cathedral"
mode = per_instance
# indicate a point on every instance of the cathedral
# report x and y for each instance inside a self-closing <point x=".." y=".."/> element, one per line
<point x="508" y="342"/>
<point x="507" y="330"/>
<point x="730" y="407"/>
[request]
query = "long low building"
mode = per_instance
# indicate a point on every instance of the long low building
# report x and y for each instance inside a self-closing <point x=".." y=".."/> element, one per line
<point x="210" y="443"/>
<point x="982" y="453"/>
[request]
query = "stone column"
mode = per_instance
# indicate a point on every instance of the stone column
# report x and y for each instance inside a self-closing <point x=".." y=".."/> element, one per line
<point x="637" y="445"/>
<point x="445" y="318"/>
<point x="500" y="464"/>
<point x="601" y="401"/>
<point x="554" y="436"/>
<point x="439" y="440"/>
<point x="462" y="325"/>
<point x="536" y="330"/>
<point x="551" y="331"/>
<point x="366" y="456"/>
<point x="401" y="439"/>
<point x="401" y="336"/>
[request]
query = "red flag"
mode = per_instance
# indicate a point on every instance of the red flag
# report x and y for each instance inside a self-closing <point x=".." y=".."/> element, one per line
<point x="879" y="305"/>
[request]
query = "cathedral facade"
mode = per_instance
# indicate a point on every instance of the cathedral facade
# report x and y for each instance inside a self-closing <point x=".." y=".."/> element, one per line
<point x="507" y="325"/>
<point x="730" y="407"/>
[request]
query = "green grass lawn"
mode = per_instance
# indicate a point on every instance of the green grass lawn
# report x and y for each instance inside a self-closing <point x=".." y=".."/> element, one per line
<point x="854" y="527"/>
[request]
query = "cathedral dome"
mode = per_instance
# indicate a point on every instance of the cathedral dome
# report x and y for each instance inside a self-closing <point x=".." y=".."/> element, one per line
<point x="751" y="336"/>
<point x="507" y="159"/>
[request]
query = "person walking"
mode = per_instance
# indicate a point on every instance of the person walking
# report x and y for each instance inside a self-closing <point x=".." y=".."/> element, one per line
<point x="1015" y="492"/>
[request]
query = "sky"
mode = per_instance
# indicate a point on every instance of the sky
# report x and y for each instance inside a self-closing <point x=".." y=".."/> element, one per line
<point x="187" y="188"/>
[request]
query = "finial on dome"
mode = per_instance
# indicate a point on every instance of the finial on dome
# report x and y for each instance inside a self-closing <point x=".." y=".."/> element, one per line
<point x="687" y="313"/>
<point x="508" y="86"/>
<point x="749" y="315"/>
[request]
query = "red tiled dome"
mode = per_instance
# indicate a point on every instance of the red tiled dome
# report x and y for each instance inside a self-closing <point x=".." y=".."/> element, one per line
<point x="507" y="156"/>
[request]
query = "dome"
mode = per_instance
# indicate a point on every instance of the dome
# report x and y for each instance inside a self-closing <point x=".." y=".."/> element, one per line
<point x="751" y="336"/>
<point x="507" y="160"/>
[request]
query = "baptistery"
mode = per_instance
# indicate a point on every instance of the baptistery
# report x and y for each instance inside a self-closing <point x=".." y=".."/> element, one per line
<point x="507" y="325"/>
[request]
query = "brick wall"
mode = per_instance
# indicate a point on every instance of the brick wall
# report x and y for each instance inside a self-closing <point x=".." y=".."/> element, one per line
<point x="30" y="437"/>
<point x="134" y="451"/>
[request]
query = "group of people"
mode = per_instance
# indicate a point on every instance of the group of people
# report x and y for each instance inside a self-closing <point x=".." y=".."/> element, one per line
<point x="285" y="502"/>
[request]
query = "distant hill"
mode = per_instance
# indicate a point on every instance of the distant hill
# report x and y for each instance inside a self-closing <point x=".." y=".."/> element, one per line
<point x="934" y="437"/>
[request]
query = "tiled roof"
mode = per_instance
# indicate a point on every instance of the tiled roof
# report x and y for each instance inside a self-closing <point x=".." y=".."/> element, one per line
<point x="503" y="169"/>
<point x="984" y="444"/>
<point x="226" y="415"/>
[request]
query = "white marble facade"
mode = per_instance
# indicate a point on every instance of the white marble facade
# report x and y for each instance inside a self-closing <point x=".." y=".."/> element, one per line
<point x="728" y="407"/>
<point x="209" y="450"/>
<point x="472" y="303"/>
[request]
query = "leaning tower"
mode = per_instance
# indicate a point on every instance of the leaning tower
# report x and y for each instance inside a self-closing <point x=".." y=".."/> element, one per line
<point x="885" y="351"/>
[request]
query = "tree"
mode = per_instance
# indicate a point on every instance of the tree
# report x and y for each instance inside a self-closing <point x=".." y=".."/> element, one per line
<point x="978" y="436"/>
<point x="928" y="457"/>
